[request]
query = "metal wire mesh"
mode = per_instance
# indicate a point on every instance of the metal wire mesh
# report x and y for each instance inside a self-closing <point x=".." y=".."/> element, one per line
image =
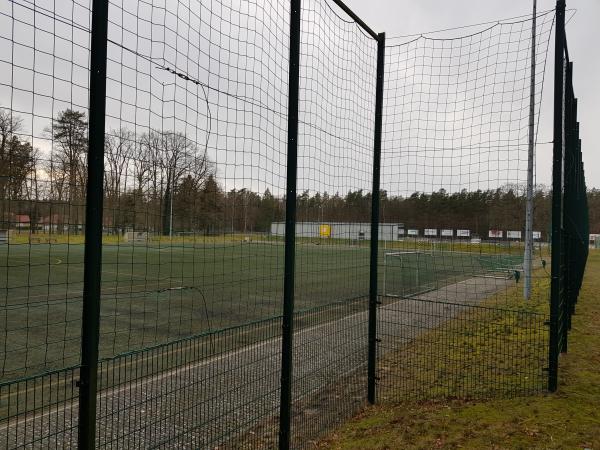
<point x="570" y="219"/>
<point x="44" y="71"/>
<point x="40" y="411"/>
<point x="194" y="154"/>
<point x="335" y="164"/>
<point x="196" y="148"/>
<point x="42" y="113"/>
<point x="191" y="305"/>
<point x="438" y="349"/>
<point x="455" y="148"/>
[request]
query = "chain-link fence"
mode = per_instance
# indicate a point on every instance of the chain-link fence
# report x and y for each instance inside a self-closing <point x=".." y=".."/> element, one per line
<point x="232" y="224"/>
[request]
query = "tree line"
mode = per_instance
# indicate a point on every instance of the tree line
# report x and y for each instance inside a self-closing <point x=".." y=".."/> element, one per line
<point x="164" y="182"/>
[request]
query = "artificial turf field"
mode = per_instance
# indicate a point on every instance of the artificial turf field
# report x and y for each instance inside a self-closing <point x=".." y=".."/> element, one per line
<point x="157" y="292"/>
<point x="154" y="294"/>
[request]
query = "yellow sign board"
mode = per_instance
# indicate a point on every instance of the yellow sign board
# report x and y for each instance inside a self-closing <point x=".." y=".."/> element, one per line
<point x="325" y="230"/>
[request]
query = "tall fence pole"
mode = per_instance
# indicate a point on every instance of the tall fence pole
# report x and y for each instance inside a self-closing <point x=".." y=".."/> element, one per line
<point x="285" y="406"/>
<point x="90" y="320"/>
<point x="557" y="159"/>
<point x="373" y="294"/>
<point x="528" y="259"/>
<point x="577" y="192"/>
<point x="569" y="206"/>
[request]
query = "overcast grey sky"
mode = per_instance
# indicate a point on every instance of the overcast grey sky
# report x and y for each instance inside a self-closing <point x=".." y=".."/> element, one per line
<point x="401" y="17"/>
<point x="238" y="50"/>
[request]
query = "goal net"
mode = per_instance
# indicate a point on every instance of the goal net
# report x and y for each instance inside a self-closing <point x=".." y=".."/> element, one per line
<point x="409" y="273"/>
<point x="404" y="274"/>
<point x="136" y="236"/>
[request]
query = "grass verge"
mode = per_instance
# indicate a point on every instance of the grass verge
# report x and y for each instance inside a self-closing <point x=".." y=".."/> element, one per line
<point x="565" y="420"/>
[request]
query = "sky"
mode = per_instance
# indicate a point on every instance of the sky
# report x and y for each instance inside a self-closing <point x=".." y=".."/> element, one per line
<point x="402" y="17"/>
<point x="218" y="72"/>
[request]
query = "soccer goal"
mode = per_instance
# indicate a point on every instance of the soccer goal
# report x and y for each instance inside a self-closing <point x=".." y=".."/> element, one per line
<point x="3" y="236"/>
<point x="136" y="236"/>
<point x="407" y="273"/>
<point x="498" y="266"/>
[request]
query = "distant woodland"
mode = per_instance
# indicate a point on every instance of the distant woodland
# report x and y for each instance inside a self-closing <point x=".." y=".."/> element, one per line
<point x="160" y="180"/>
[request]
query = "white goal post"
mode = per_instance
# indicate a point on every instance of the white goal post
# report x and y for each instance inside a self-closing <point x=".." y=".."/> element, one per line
<point x="401" y="259"/>
<point x="406" y="273"/>
<point x="4" y="236"/>
<point x="136" y="236"/>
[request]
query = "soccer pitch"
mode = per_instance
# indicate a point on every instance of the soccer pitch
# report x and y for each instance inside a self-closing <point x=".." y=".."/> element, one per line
<point x="155" y="293"/>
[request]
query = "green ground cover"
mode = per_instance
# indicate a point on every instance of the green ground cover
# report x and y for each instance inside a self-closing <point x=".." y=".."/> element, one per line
<point x="564" y="420"/>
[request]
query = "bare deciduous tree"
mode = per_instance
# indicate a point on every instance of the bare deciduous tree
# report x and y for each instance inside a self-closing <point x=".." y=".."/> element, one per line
<point x="171" y="156"/>
<point x="119" y="152"/>
<point x="16" y="161"/>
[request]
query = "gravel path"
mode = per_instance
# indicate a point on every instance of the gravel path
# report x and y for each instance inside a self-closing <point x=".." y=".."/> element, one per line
<point x="209" y="403"/>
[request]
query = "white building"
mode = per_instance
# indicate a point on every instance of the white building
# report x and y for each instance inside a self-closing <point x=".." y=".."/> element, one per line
<point x="341" y="230"/>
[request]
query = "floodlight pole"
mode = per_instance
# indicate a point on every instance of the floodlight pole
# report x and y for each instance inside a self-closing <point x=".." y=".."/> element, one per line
<point x="171" y="207"/>
<point x="528" y="257"/>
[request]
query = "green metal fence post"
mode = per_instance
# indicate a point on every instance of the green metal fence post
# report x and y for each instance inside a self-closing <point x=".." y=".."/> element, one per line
<point x="285" y="405"/>
<point x="90" y="323"/>
<point x="557" y="191"/>
<point x="568" y="208"/>
<point x="373" y="298"/>
<point x="572" y="209"/>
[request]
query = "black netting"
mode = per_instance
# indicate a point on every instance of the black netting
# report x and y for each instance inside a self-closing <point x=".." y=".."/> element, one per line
<point x="197" y="127"/>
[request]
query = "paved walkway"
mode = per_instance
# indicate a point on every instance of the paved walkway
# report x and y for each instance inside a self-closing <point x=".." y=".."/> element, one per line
<point x="207" y="403"/>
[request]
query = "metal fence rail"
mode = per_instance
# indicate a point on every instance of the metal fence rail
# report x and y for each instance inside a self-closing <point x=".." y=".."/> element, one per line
<point x="151" y="152"/>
